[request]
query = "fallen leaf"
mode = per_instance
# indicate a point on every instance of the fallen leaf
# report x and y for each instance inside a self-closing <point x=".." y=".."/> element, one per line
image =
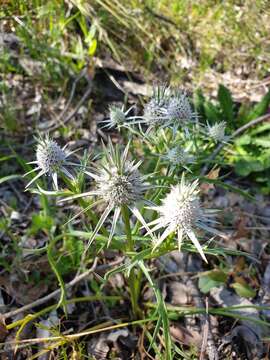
<point x="244" y="290"/>
<point x="184" y="336"/>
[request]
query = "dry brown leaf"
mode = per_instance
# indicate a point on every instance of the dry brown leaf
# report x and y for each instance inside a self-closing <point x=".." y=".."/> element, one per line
<point x="3" y="329"/>
<point x="184" y="336"/>
<point x="212" y="175"/>
<point x="179" y="293"/>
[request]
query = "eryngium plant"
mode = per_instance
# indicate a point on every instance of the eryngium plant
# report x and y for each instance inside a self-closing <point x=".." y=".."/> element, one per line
<point x="181" y="212"/>
<point x="119" y="184"/>
<point x="51" y="160"/>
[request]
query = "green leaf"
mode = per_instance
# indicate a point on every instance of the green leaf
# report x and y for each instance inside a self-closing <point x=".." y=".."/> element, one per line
<point x="245" y="167"/>
<point x="53" y="264"/>
<point x="92" y="48"/>
<point x="226" y="103"/>
<point x="259" y="109"/>
<point x="9" y="177"/>
<point x="243" y="140"/>
<point x="41" y="222"/>
<point x="210" y="279"/>
<point x="206" y="284"/>
<point x="162" y="312"/>
<point x="265" y="127"/>
<point x="198" y="101"/>
<point x="217" y="275"/>
<point x="212" y="112"/>
<point x="244" y="290"/>
<point x="263" y="142"/>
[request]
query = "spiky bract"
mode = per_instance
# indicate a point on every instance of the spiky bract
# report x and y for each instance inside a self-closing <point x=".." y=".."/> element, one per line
<point x="119" y="184"/>
<point x="217" y="131"/>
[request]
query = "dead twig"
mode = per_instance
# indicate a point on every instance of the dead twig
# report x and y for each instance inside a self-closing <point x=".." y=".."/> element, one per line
<point x="57" y="292"/>
<point x="205" y="333"/>
<point x="208" y="343"/>
<point x="72" y="93"/>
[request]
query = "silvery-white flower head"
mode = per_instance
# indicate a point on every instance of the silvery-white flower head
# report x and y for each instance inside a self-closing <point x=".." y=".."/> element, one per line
<point x="177" y="156"/>
<point x="169" y="108"/>
<point x="119" y="184"/>
<point x="51" y="160"/>
<point x="181" y="212"/>
<point x="153" y="109"/>
<point x="217" y="131"/>
<point x="119" y="118"/>
<point x="179" y="111"/>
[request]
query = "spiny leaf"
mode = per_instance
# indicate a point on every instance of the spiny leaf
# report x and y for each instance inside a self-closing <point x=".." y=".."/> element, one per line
<point x="226" y="103"/>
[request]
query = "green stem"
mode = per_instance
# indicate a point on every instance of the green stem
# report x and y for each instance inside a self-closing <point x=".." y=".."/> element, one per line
<point x="93" y="217"/>
<point x="134" y="287"/>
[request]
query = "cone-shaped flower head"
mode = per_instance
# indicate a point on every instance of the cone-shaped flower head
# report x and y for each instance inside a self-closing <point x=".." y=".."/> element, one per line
<point x="179" y="108"/>
<point x="181" y="212"/>
<point x="119" y="184"/>
<point x="50" y="156"/>
<point x="119" y="118"/>
<point x="153" y="109"/>
<point x="51" y="160"/>
<point x="169" y="108"/>
<point x="177" y="156"/>
<point x="121" y="187"/>
<point x="217" y="131"/>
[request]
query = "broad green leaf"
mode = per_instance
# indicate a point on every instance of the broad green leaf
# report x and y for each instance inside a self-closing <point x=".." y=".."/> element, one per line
<point x="212" y="113"/>
<point x="260" y="108"/>
<point x="226" y="103"/>
<point x="263" y="142"/>
<point x="244" y="290"/>
<point x="243" y="140"/>
<point x="40" y="222"/>
<point x="217" y="275"/>
<point x="206" y="284"/>
<point x="260" y="129"/>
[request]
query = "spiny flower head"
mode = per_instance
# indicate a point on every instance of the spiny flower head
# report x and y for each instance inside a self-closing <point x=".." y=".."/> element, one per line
<point x="177" y="156"/>
<point x="169" y="108"/>
<point x="181" y="212"/>
<point x="50" y="156"/>
<point x="119" y="118"/>
<point x="217" y="131"/>
<point x="153" y="109"/>
<point x="51" y="160"/>
<point x="179" y="108"/>
<point x="119" y="184"/>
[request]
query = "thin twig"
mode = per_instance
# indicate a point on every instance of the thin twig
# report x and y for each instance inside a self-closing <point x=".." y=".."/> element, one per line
<point x="205" y="334"/>
<point x="56" y="293"/>
<point x="237" y="132"/>
<point x="73" y="113"/>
